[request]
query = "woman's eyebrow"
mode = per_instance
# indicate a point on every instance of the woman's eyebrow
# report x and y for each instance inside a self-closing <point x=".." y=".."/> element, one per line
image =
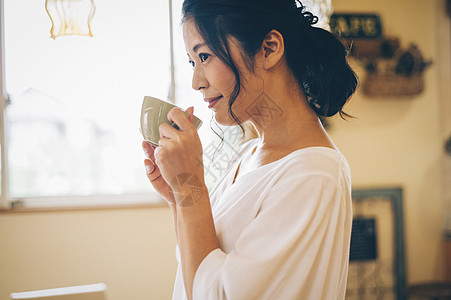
<point x="196" y="48"/>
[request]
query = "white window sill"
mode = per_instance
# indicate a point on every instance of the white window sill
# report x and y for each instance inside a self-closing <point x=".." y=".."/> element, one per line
<point x="86" y="202"/>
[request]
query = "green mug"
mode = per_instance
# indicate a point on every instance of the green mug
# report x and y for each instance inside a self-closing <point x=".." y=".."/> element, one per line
<point x="154" y="112"/>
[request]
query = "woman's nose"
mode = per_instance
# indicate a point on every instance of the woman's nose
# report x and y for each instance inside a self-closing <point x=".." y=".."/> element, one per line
<point x="199" y="80"/>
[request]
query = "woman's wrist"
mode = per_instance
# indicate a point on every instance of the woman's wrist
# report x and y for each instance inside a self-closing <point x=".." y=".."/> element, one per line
<point x="187" y="190"/>
<point x="189" y="194"/>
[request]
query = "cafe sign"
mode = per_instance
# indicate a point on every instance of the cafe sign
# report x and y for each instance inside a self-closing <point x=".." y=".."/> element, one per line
<point x="356" y="26"/>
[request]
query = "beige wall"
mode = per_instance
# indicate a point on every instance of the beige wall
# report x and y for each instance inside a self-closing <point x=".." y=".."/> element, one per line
<point x="399" y="142"/>
<point x="392" y="142"/>
<point x="131" y="250"/>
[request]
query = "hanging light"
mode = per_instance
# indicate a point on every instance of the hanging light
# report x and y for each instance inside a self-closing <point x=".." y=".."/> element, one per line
<point x="70" y="17"/>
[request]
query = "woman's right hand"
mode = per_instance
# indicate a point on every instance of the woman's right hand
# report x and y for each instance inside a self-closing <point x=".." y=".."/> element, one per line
<point x="154" y="174"/>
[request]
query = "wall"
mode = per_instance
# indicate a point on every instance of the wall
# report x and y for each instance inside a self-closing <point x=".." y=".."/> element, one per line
<point x="131" y="250"/>
<point x="399" y="142"/>
<point x="392" y="142"/>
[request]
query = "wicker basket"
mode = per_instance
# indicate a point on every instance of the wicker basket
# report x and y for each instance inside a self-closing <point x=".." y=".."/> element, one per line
<point x="392" y="85"/>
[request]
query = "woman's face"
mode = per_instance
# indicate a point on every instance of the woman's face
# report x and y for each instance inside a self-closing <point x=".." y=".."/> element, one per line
<point x="215" y="80"/>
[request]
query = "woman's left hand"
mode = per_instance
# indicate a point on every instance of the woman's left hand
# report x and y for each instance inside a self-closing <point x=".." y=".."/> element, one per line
<point x="179" y="154"/>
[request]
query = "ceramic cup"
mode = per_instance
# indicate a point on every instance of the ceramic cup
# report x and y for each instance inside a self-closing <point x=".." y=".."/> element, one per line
<point x="154" y="112"/>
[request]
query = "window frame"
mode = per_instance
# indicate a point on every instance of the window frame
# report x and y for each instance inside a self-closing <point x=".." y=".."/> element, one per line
<point x="7" y="203"/>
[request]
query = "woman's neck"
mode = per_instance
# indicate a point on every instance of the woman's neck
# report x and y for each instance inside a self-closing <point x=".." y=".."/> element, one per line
<point x="286" y="119"/>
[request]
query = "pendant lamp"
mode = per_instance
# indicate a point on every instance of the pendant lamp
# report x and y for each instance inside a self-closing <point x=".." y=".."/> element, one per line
<point x="70" y="17"/>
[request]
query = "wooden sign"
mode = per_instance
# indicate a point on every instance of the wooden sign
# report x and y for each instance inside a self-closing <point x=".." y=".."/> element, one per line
<point x="356" y="26"/>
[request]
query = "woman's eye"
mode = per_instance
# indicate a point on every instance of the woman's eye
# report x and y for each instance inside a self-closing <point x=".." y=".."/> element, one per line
<point x="203" y="56"/>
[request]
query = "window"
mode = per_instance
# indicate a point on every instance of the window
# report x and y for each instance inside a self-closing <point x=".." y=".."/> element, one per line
<point x="72" y="119"/>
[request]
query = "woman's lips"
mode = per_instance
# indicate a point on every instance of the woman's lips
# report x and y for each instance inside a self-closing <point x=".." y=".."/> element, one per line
<point x="213" y="101"/>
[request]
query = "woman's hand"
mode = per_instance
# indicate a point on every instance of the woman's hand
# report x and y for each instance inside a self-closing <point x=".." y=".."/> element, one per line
<point x="178" y="172"/>
<point x="154" y="174"/>
<point x="179" y="156"/>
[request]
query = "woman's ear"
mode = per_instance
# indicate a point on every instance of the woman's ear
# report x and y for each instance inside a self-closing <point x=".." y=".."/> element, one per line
<point x="273" y="49"/>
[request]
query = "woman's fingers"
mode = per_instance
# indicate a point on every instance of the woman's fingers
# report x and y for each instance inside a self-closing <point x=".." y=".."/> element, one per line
<point x="148" y="150"/>
<point x="152" y="171"/>
<point x="167" y="131"/>
<point x="180" y="123"/>
<point x="190" y="111"/>
<point x="177" y="116"/>
<point x="150" y="166"/>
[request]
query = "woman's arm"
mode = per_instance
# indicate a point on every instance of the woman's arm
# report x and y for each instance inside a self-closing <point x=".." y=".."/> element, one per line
<point x="156" y="179"/>
<point x="179" y="158"/>
<point x="196" y="233"/>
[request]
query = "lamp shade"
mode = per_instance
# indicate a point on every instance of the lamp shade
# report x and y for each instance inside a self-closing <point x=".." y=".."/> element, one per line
<point x="70" y="17"/>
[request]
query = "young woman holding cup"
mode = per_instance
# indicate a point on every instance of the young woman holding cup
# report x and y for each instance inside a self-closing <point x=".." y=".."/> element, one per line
<point x="278" y="224"/>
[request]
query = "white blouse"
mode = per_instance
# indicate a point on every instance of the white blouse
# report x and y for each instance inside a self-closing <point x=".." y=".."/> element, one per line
<point x="284" y="230"/>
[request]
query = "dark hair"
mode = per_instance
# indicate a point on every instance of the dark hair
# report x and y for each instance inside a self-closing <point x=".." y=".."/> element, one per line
<point x="315" y="56"/>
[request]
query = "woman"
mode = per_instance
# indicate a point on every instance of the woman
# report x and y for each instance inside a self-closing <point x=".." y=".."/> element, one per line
<point x="277" y="225"/>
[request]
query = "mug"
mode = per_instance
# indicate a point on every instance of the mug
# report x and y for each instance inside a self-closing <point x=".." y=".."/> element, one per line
<point x="154" y="112"/>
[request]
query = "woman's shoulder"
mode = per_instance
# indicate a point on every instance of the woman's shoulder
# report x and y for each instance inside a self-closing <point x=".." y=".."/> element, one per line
<point x="314" y="160"/>
<point x="318" y="172"/>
